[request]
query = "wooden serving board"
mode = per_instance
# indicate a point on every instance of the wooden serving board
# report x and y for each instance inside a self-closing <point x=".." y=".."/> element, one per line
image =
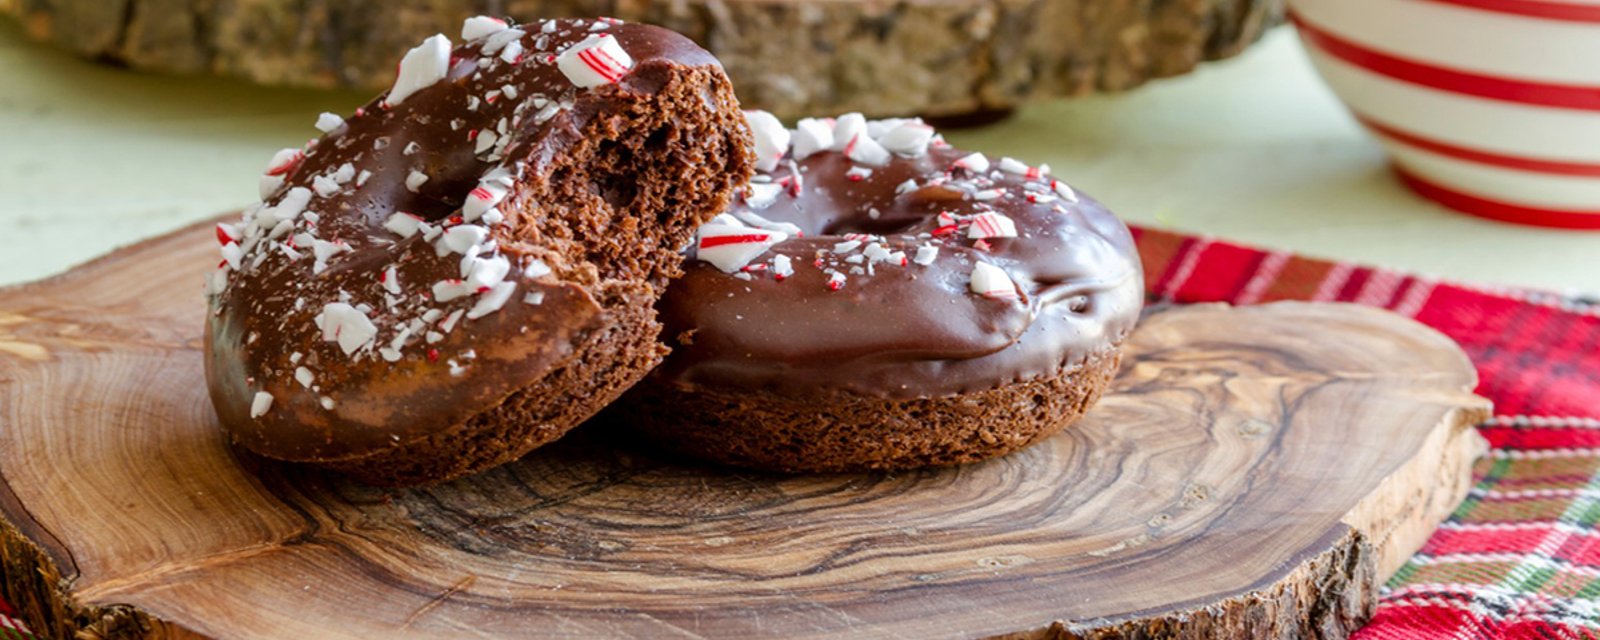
<point x="793" y="57"/>
<point x="1257" y="471"/>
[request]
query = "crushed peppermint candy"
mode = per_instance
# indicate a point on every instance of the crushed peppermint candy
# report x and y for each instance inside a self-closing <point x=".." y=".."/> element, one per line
<point x="482" y="27"/>
<point x="975" y="162"/>
<point x="730" y="245"/>
<point x="391" y="280"/>
<point x="909" y="139"/>
<point x="771" y="138"/>
<point x="327" y="122"/>
<point x="990" y="281"/>
<point x="863" y="149"/>
<point x="926" y="254"/>
<point x="403" y="224"/>
<point x="846" y="128"/>
<point x="462" y="237"/>
<point x="415" y="180"/>
<point x="1064" y="191"/>
<point x="759" y="195"/>
<point x="991" y="225"/>
<point x="260" y="404"/>
<point x="596" y="60"/>
<point x="492" y="300"/>
<point x="347" y="325"/>
<point x="421" y="67"/>
<point x="490" y="191"/>
<point x="304" y="376"/>
<point x="811" y="135"/>
<point x="782" y="266"/>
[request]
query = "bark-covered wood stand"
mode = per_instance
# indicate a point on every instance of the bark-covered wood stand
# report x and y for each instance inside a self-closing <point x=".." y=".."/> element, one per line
<point x="1256" y="471"/>
<point x="792" y="57"/>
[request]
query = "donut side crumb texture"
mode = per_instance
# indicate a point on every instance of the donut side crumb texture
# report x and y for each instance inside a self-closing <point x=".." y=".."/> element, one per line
<point x="607" y="364"/>
<point x="843" y="432"/>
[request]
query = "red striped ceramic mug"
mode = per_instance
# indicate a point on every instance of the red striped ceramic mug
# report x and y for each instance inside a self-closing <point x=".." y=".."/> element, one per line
<point x="1491" y="107"/>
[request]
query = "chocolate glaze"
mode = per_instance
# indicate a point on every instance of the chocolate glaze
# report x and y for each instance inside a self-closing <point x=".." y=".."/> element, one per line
<point x="361" y="403"/>
<point x="908" y="331"/>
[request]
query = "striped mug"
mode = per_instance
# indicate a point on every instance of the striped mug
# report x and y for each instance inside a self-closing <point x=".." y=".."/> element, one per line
<point x="1491" y="107"/>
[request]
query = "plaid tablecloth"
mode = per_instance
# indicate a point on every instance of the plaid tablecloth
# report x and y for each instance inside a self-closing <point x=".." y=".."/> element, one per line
<point x="1520" y="558"/>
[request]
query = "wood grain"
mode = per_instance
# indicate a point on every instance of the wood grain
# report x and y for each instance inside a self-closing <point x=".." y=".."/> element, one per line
<point x="793" y="57"/>
<point x="1257" y="471"/>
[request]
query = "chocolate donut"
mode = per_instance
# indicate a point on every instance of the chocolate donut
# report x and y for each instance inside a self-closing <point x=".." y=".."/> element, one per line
<point x="466" y="268"/>
<point x="880" y="300"/>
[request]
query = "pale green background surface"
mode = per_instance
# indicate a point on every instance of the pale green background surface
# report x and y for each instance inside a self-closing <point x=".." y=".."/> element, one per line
<point x="1253" y="150"/>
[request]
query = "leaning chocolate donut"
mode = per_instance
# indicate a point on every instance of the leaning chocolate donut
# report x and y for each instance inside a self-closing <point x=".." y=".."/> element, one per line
<point x="880" y="300"/>
<point x="466" y="268"/>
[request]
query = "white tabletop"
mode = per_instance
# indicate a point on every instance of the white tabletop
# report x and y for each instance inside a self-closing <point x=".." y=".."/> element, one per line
<point x="1253" y="149"/>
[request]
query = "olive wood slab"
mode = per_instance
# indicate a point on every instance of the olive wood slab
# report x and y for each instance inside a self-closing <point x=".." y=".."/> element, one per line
<point x="1256" y="471"/>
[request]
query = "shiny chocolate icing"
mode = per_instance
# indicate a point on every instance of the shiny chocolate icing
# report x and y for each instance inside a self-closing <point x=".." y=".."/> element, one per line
<point x="905" y="330"/>
<point x="283" y="383"/>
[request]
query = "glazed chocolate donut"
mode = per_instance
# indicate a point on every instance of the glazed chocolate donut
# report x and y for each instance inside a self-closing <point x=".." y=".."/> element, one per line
<point x="880" y="300"/>
<point x="466" y="268"/>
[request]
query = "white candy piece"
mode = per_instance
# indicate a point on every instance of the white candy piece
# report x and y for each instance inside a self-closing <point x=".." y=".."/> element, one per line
<point x="867" y="151"/>
<point x="289" y="208"/>
<point x="284" y="161"/>
<point x="346" y="325"/>
<point x="325" y="186"/>
<point x="260" y="404"/>
<point x="428" y="63"/>
<point x="991" y="225"/>
<point x="810" y="136"/>
<point x="492" y="301"/>
<point x="484" y="273"/>
<point x="232" y="254"/>
<point x="327" y="122"/>
<point x="760" y="195"/>
<point x="268" y="185"/>
<point x="304" y="376"/>
<point x="846" y="128"/>
<point x="447" y="290"/>
<point x="990" y="281"/>
<point x="489" y="192"/>
<point x="536" y="269"/>
<point x="926" y="255"/>
<point x="462" y="237"/>
<point x="502" y="38"/>
<point x="782" y="266"/>
<point x="758" y="221"/>
<point x="481" y="27"/>
<point x="729" y="246"/>
<point x="391" y="280"/>
<point x="1014" y="166"/>
<point x="1064" y="191"/>
<point x="511" y="51"/>
<point x="415" y="180"/>
<point x="403" y="224"/>
<point x="975" y="163"/>
<point x="594" y="61"/>
<point x="909" y="139"/>
<point x="772" y="140"/>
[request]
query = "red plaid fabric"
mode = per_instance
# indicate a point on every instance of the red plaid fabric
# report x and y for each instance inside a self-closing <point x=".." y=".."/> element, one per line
<point x="1520" y="558"/>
